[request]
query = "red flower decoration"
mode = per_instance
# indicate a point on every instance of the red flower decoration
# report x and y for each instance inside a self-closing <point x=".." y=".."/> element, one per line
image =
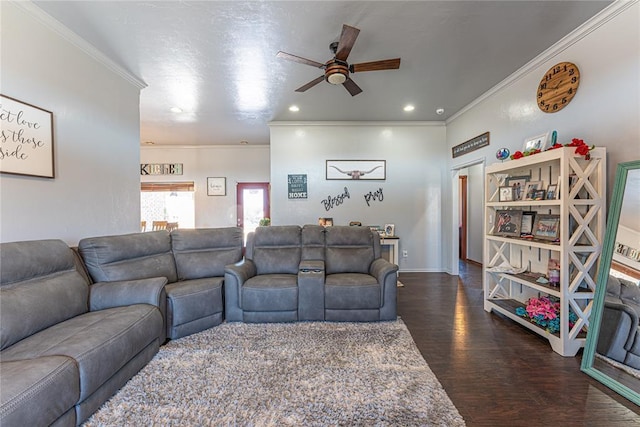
<point x="517" y="155"/>
<point x="575" y="142"/>
<point x="582" y="150"/>
<point x="556" y="145"/>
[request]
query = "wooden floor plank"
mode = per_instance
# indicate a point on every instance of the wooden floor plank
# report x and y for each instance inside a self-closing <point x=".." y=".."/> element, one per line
<point x="495" y="371"/>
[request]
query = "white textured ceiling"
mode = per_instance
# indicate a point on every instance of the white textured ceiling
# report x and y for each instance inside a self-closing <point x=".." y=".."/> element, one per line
<point x="217" y="60"/>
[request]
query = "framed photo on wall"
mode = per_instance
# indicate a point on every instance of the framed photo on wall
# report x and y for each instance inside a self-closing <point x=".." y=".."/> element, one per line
<point x="356" y="169"/>
<point x="526" y="225"/>
<point x="27" y="139"/>
<point x="216" y="186"/>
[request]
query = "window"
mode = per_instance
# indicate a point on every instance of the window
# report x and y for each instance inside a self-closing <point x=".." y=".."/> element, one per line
<point x="168" y="201"/>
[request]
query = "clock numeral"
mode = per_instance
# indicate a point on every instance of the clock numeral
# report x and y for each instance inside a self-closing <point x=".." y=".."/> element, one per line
<point x="543" y="102"/>
<point x="564" y="100"/>
<point x="539" y="94"/>
<point x="570" y="91"/>
<point x="543" y="86"/>
<point x="555" y="106"/>
<point x="572" y="71"/>
<point x="574" y="79"/>
<point x="548" y="77"/>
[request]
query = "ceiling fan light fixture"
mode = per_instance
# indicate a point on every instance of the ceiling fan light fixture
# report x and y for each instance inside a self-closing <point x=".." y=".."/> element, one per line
<point x="336" y="78"/>
<point x="336" y="72"/>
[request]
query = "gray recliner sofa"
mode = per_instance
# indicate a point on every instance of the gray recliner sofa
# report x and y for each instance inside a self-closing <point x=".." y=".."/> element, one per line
<point x="65" y="345"/>
<point x="311" y="273"/>
<point x="192" y="260"/>
<point x="619" y="337"/>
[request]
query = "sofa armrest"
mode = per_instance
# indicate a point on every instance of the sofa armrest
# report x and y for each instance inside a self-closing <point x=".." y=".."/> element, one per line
<point x="104" y="295"/>
<point x="387" y="275"/>
<point x="621" y="319"/>
<point x="381" y="269"/>
<point x="234" y="277"/>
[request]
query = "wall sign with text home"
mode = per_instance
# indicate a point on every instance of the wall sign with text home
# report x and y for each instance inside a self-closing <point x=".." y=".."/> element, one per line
<point x="160" y="168"/>
<point x="297" y="186"/>
<point x="470" y="145"/>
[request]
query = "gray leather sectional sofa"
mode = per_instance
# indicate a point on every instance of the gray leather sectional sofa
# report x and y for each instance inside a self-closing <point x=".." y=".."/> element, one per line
<point x="75" y="326"/>
<point x="291" y="273"/>
<point x="619" y="337"/>
<point x="67" y="345"/>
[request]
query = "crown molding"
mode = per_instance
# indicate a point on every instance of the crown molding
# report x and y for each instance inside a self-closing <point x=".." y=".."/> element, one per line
<point x="356" y="123"/>
<point x="598" y="20"/>
<point x="205" y="147"/>
<point x="51" y="23"/>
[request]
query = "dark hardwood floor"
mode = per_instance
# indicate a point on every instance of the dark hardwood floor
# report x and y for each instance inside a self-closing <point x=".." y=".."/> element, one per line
<point x="496" y="372"/>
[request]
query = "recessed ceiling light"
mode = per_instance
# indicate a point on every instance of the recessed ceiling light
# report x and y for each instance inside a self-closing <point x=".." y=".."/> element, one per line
<point x="409" y="107"/>
<point x="440" y="111"/>
<point x="243" y="142"/>
<point x="176" y="110"/>
<point x="149" y="142"/>
<point x="294" y="108"/>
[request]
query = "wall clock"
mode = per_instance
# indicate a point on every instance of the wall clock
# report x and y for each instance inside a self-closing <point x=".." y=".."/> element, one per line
<point x="558" y="87"/>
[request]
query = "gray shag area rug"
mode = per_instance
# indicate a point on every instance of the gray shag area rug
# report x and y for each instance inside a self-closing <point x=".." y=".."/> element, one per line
<point x="295" y="374"/>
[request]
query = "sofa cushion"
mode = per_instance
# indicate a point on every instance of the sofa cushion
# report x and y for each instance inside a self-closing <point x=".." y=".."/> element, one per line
<point x="129" y="256"/>
<point x="348" y="249"/>
<point x="101" y="342"/>
<point x="270" y="292"/>
<point x="37" y="391"/>
<point x="313" y="242"/>
<point x="276" y="249"/>
<point x="193" y="299"/>
<point x="352" y="291"/>
<point x="205" y="252"/>
<point x="39" y="287"/>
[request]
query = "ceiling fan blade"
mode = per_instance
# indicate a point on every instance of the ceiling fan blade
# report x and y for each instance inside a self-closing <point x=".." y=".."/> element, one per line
<point x="311" y="84"/>
<point x="347" y="39"/>
<point x="352" y="87"/>
<point x="299" y="59"/>
<point x="385" y="64"/>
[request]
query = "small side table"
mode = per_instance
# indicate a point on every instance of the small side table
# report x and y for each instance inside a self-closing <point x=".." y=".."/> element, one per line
<point x="393" y="243"/>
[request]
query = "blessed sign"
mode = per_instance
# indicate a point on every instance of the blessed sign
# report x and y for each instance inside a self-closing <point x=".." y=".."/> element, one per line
<point x="26" y="139"/>
<point x="470" y="145"/>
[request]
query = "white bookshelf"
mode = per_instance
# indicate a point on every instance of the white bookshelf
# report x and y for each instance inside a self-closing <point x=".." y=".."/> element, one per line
<point x="582" y="223"/>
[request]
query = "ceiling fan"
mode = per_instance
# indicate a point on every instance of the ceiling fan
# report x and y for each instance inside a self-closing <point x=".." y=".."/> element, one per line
<point x="336" y="70"/>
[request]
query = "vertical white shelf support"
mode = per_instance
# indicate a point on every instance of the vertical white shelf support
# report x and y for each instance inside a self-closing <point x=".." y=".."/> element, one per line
<point x="582" y="212"/>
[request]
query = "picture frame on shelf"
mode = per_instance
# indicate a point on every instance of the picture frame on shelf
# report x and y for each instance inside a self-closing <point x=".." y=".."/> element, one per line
<point x="546" y="227"/>
<point x="538" y="142"/>
<point x="518" y="183"/>
<point x="389" y="230"/>
<point x="539" y="195"/>
<point x="530" y="190"/>
<point x="325" y="222"/>
<point x="506" y="194"/>
<point x="507" y="223"/>
<point x="526" y="224"/>
<point x="216" y="186"/>
<point x="552" y="192"/>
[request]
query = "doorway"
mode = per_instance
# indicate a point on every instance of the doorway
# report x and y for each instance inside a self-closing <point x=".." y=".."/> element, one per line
<point x="253" y="205"/>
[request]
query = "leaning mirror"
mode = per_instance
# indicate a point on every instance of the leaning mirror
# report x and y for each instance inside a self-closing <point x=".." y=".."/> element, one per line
<point x="612" y="350"/>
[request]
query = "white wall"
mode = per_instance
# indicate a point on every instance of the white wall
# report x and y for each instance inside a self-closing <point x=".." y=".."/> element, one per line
<point x="604" y="112"/>
<point x="414" y="154"/>
<point x="475" y="206"/>
<point x="96" y="136"/>
<point x="236" y="163"/>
